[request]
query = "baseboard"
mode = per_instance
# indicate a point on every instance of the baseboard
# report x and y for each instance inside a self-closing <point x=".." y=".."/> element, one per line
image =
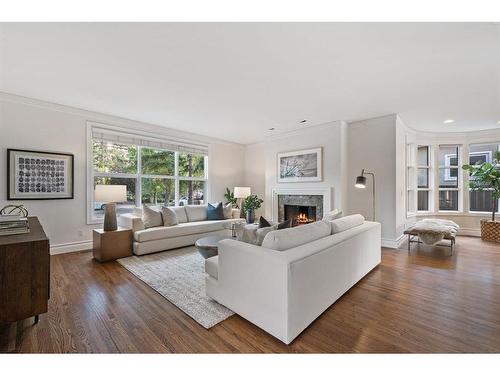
<point x="393" y="243"/>
<point x="70" y="247"/>
<point x="469" y="232"/>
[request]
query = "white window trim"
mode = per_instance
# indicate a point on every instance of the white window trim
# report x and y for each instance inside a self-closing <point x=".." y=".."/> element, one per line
<point x="91" y="219"/>
<point x="430" y="179"/>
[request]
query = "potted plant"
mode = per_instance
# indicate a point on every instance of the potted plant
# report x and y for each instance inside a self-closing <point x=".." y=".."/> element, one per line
<point x="230" y="199"/>
<point x="486" y="177"/>
<point x="250" y="204"/>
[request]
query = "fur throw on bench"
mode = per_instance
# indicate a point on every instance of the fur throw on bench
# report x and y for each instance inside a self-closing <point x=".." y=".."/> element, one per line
<point x="432" y="231"/>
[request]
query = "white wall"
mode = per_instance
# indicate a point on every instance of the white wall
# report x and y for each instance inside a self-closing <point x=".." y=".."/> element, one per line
<point x="34" y="125"/>
<point x="261" y="167"/>
<point x="372" y="145"/>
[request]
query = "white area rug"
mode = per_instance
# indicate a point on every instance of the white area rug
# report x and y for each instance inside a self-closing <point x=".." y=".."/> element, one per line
<point x="179" y="276"/>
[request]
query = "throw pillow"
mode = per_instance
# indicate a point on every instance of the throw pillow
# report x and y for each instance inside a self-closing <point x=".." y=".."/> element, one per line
<point x="332" y="215"/>
<point x="151" y="218"/>
<point x="228" y="211"/>
<point x="215" y="211"/>
<point x="169" y="217"/>
<point x="285" y="224"/>
<point x="263" y="223"/>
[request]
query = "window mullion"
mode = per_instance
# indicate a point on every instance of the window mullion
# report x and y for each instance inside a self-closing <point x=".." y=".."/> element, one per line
<point x="176" y="173"/>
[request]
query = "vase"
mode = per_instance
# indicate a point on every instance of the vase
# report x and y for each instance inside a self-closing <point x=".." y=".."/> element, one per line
<point x="250" y="216"/>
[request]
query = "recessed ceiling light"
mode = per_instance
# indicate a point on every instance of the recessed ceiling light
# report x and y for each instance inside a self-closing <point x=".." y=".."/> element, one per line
<point x="498" y="122"/>
<point x="449" y="121"/>
<point x="303" y="121"/>
<point x="270" y="129"/>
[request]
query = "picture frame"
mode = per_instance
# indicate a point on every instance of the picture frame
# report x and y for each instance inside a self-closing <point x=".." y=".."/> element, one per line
<point x="300" y="166"/>
<point x="39" y="175"/>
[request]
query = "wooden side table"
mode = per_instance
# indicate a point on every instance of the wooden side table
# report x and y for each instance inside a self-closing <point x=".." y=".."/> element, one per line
<point x="113" y="244"/>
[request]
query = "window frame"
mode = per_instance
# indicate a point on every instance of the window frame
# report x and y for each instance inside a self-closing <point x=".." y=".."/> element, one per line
<point x="430" y="179"/>
<point x="448" y="167"/>
<point x="138" y="176"/>
<point x="489" y="159"/>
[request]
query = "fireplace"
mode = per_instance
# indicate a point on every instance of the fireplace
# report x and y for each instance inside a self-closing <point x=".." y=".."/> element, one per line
<point x="301" y="209"/>
<point x="300" y="215"/>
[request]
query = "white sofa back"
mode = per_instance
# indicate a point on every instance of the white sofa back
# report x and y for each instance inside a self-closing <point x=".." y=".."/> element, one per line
<point x="285" y="239"/>
<point x="184" y="214"/>
<point x="284" y="291"/>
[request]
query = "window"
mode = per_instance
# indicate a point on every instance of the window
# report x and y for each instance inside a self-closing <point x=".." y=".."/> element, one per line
<point x="410" y="180"/>
<point x="481" y="201"/>
<point x="449" y="178"/>
<point x="423" y="178"/>
<point x="153" y="176"/>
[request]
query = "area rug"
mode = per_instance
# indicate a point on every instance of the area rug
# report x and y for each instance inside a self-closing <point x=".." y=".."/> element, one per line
<point x="179" y="276"/>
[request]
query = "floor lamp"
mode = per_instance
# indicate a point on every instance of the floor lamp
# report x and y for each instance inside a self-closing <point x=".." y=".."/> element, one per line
<point x="361" y="184"/>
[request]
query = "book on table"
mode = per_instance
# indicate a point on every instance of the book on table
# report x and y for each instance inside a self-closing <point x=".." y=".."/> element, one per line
<point x="13" y="224"/>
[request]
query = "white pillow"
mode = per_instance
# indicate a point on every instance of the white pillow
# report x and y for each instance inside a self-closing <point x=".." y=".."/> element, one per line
<point x="169" y="217"/>
<point x="285" y="239"/>
<point x="332" y="215"/>
<point x="151" y="217"/>
<point x="228" y="211"/>
<point x="346" y="222"/>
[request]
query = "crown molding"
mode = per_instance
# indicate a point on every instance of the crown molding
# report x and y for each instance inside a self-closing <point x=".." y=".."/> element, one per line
<point x="111" y="119"/>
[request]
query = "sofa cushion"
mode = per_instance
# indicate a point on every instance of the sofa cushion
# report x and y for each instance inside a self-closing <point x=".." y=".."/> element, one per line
<point x="332" y="215"/>
<point x="292" y="237"/>
<point x="151" y="218"/>
<point x="169" y="216"/>
<point x="212" y="266"/>
<point x="180" y="212"/>
<point x="183" y="229"/>
<point x="228" y="211"/>
<point x="347" y="222"/>
<point x="196" y="213"/>
<point x="215" y="211"/>
<point x="262" y="232"/>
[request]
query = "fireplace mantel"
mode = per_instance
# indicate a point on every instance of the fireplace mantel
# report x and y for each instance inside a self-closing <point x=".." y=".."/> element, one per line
<point x="327" y="194"/>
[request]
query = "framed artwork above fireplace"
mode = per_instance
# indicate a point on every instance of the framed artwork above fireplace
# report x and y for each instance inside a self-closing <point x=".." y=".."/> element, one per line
<point x="300" y="166"/>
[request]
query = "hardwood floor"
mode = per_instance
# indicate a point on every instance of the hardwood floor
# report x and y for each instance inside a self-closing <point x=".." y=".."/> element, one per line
<point x="423" y="302"/>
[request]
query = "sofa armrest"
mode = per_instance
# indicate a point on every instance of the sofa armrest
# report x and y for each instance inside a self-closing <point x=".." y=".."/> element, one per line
<point x="131" y="221"/>
<point x="250" y="277"/>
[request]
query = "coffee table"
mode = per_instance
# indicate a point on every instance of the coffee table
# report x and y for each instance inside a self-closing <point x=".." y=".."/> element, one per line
<point x="208" y="246"/>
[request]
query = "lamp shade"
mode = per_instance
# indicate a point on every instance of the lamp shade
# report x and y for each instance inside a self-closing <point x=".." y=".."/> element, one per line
<point x="110" y="193"/>
<point x="360" y="182"/>
<point x="241" y="192"/>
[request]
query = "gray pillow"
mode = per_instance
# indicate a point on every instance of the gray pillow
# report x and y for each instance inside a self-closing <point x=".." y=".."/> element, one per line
<point x="169" y="217"/>
<point x="228" y="211"/>
<point x="151" y="218"/>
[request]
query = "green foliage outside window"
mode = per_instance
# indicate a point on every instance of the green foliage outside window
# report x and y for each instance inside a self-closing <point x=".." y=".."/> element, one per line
<point x="156" y="166"/>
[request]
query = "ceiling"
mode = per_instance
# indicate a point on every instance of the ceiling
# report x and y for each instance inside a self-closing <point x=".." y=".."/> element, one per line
<point x="234" y="81"/>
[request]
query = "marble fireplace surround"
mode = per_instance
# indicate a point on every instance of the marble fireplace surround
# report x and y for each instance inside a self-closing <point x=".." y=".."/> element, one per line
<point x="325" y="193"/>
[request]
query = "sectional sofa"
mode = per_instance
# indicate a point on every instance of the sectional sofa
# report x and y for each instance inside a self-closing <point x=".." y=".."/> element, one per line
<point x="297" y="273"/>
<point x="193" y="224"/>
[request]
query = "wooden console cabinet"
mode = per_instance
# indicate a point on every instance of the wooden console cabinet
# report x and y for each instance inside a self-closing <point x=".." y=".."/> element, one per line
<point x="24" y="274"/>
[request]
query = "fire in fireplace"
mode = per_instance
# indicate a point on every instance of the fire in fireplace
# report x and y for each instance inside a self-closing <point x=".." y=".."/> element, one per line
<point x="300" y="214"/>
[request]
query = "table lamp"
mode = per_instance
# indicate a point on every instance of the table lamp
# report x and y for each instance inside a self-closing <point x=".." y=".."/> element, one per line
<point x="110" y="195"/>
<point x="241" y="193"/>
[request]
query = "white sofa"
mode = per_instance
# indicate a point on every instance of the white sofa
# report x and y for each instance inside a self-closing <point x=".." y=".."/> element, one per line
<point x="297" y="273"/>
<point x="193" y="224"/>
